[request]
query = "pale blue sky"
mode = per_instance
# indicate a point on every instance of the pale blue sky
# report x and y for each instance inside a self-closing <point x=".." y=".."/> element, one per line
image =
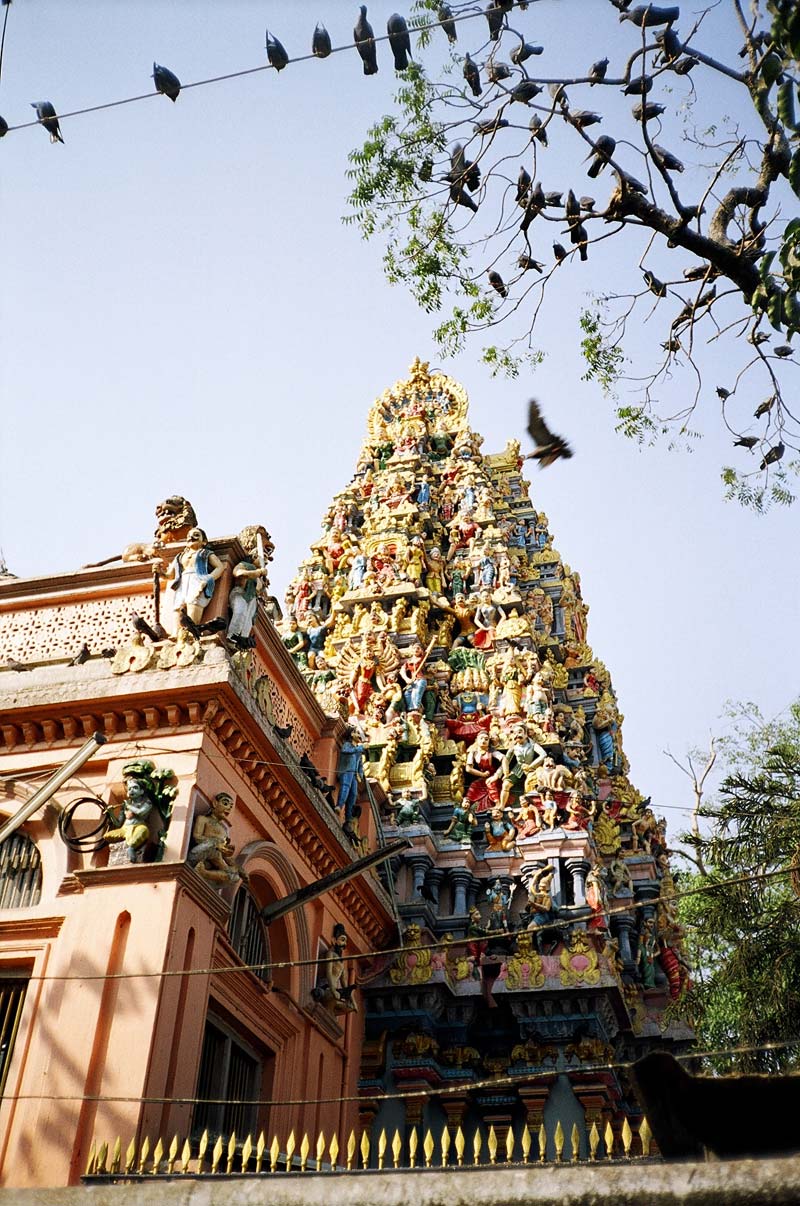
<point x="182" y="311"/>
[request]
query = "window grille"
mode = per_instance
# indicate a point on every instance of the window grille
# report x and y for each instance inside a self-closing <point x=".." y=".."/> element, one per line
<point x="247" y="932"/>
<point x="12" y="999"/>
<point x="20" y="872"/>
<point x="230" y="1079"/>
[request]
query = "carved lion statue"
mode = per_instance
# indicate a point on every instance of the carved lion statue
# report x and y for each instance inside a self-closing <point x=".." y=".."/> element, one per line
<point x="175" y="518"/>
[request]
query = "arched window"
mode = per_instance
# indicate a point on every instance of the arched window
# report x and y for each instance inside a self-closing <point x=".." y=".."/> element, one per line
<point x="247" y="931"/>
<point x="20" y="872"/>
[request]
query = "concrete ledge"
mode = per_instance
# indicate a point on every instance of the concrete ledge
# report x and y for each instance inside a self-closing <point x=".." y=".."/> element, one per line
<point x="731" y="1183"/>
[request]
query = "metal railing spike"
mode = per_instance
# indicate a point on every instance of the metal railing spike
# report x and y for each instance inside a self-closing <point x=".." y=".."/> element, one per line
<point x="558" y="1139"/>
<point x="247" y="1151"/>
<point x="305" y="1148"/>
<point x="216" y="1154"/>
<point x="397" y="1149"/>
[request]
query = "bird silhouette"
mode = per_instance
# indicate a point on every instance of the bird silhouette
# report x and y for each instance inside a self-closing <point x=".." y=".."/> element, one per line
<point x="460" y="197"/>
<point x="746" y="442"/>
<point x="166" y="82"/>
<point x="399" y="41"/>
<point x="639" y="86"/>
<point x="3" y="127"/>
<point x="582" y="118"/>
<point x="783" y="351"/>
<point x="648" y="111"/>
<point x="364" y="38"/>
<point x="525" y="91"/>
<point x="494" y="17"/>
<point x="528" y="264"/>
<point x="47" y="116"/>
<point x="549" y="447"/>
<point x="154" y="633"/>
<point x="723" y="393"/>
<point x="538" y="130"/>
<point x="321" y="42"/>
<point x="523" y="186"/>
<point x="276" y="53"/>
<point x="524" y="51"/>
<point x="666" y="159"/>
<point x="447" y="23"/>
<point x="773" y="456"/>
<point x="765" y="407"/>
<point x="472" y="75"/>
<point x="81" y="656"/>
<point x="497" y="283"/>
<point x="604" y="148"/>
<point x="654" y="284"/>
<point x="597" y="71"/>
<point x="685" y="65"/>
<point x="496" y="71"/>
<point x="646" y="15"/>
<point x="489" y="127"/>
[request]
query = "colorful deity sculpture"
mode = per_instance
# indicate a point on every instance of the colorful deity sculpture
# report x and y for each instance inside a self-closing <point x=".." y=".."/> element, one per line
<point x="437" y="617"/>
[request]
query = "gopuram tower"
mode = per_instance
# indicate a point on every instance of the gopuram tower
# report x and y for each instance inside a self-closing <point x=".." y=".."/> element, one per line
<point x="541" y="948"/>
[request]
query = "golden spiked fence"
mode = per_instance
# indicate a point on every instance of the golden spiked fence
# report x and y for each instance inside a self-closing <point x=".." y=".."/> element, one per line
<point x="252" y="1157"/>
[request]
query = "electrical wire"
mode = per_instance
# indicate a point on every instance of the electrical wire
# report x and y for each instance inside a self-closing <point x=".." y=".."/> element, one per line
<point x="276" y="965"/>
<point x="7" y="6"/>
<point x="488" y="1083"/>
<point x="232" y="75"/>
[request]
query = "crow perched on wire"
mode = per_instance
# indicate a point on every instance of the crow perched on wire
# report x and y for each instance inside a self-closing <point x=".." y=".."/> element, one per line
<point x="276" y="53"/>
<point x="399" y="41"/>
<point x="549" y="447"/>
<point x="166" y="82"/>
<point x="321" y="42"/>
<point x="47" y="116"/>
<point x="364" y="38"/>
<point x="447" y="23"/>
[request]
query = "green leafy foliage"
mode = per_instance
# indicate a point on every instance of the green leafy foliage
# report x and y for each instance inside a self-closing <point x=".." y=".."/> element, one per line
<point x="744" y="937"/>
<point x="469" y="246"/>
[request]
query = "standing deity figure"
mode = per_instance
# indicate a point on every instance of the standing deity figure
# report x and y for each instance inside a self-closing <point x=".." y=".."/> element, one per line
<point x="358" y="571"/>
<point x="195" y="572"/>
<point x="519" y="762"/>
<point x="481" y="769"/>
<point x="411" y="673"/>
<point x="486" y="617"/>
<point x="212" y="852"/>
<point x="349" y="772"/>
<point x="243" y="602"/>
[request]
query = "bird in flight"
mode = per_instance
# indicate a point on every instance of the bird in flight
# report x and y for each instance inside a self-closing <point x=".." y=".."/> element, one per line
<point x="549" y="447"/>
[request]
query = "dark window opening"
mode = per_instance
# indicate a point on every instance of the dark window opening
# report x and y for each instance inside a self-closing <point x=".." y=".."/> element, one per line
<point x="12" y="999"/>
<point x="228" y="1086"/>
